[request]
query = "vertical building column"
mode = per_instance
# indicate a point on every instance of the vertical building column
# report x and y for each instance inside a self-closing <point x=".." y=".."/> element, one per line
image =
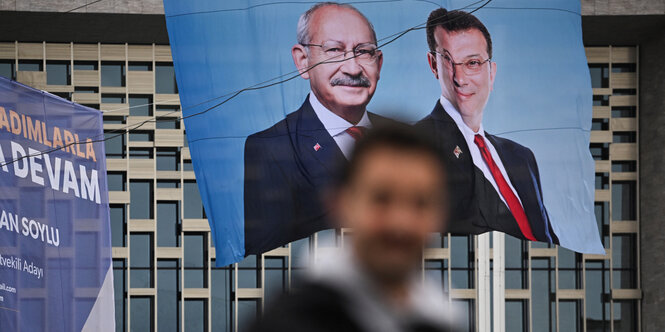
<point x="652" y="182"/>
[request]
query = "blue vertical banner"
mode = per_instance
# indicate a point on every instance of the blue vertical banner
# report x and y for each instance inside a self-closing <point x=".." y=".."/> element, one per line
<point x="269" y="91"/>
<point x="55" y="242"/>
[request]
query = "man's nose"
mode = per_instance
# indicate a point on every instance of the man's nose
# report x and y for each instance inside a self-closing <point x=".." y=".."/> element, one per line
<point x="459" y="77"/>
<point x="350" y="65"/>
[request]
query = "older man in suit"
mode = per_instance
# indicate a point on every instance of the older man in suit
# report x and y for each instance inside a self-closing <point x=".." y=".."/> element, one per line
<point x="495" y="184"/>
<point x="288" y="164"/>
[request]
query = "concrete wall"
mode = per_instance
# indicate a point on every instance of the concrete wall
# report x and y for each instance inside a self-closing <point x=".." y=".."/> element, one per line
<point x="103" y="6"/>
<point x="652" y="181"/>
<point x="623" y="7"/>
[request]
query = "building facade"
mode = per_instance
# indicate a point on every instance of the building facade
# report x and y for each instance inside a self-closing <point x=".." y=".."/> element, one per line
<point x="117" y="59"/>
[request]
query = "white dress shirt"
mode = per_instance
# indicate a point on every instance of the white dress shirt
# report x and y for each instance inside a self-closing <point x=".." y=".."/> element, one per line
<point x="478" y="161"/>
<point x="337" y="126"/>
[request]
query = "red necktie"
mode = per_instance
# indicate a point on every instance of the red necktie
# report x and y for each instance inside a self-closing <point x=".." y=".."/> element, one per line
<point x="356" y="132"/>
<point x="507" y="193"/>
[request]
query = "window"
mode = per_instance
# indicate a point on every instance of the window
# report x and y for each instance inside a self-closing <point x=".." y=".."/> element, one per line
<point x="85" y="65"/>
<point x="221" y="297"/>
<point x="600" y="76"/>
<point x="597" y="296"/>
<point x="168" y="297"/>
<point x="86" y="90"/>
<point x="195" y="249"/>
<point x="625" y="316"/>
<point x="624" y="256"/>
<point x="113" y="98"/>
<point x="517" y="314"/>
<point x="119" y="289"/>
<point x="624" y="137"/>
<point x="602" y="181"/>
<point x="30" y="65"/>
<point x="624" y="166"/>
<point x="140" y="153"/>
<point x="196" y="314"/>
<point x="461" y="261"/>
<point x="624" y="203"/>
<point x="570" y="269"/>
<point x="167" y="123"/>
<point x="193" y="208"/>
<point x="118" y="225"/>
<point x="165" y="78"/>
<point x="114" y="145"/>
<point x="140" y="66"/>
<point x="142" y="314"/>
<point x="140" y="105"/>
<point x="516" y="263"/>
<point x="141" y="198"/>
<point x="168" y="160"/>
<point x="570" y="316"/>
<point x="168" y="184"/>
<point x="116" y="181"/>
<point x="140" y="258"/>
<point x="542" y="286"/>
<point x="8" y="69"/>
<point x="168" y="218"/>
<point x="140" y="136"/>
<point x="58" y="73"/>
<point x="113" y="74"/>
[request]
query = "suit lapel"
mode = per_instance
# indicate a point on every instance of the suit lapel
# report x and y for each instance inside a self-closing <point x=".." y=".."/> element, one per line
<point x="317" y="150"/>
<point x="446" y="124"/>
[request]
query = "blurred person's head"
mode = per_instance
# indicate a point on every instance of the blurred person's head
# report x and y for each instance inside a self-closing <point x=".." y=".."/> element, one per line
<point x="337" y="53"/>
<point x="460" y="57"/>
<point x="392" y="195"/>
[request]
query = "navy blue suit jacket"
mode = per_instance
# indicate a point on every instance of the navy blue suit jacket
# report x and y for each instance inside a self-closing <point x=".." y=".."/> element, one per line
<point x="287" y="166"/>
<point x="475" y="206"/>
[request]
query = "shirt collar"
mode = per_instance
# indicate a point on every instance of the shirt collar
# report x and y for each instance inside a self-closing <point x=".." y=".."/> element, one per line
<point x="457" y="117"/>
<point x="334" y="123"/>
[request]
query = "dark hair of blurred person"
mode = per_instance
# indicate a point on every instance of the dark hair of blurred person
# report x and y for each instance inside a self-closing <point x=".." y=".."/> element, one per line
<point x="392" y="196"/>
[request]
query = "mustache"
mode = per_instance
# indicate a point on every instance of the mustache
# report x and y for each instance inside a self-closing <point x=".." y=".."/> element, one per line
<point x="347" y="80"/>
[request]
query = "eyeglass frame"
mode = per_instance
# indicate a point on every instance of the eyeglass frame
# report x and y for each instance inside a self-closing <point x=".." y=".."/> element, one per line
<point x="372" y="58"/>
<point x="464" y="68"/>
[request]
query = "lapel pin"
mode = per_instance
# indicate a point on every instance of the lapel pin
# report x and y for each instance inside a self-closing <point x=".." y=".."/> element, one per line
<point x="457" y="151"/>
<point x="317" y="146"/>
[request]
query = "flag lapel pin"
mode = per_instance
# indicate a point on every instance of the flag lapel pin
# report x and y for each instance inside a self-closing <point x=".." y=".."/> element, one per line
<point x="317" y="147"/>
<point x="457" y="151"/>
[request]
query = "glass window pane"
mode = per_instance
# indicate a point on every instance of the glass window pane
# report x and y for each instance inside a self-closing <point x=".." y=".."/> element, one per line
<point x="140" y="105"/>
<point x="570" y="316"/>
<point x="113" y="99"/>
<point x="220" y="297"/>
<point x="195" y="256"/>
<point x="140" y="66"/>
<point x="165" y="78"/>
<point x="141" y="197"/>
<point x="116" y="181"/>
<point x="542" y="287"/>
<point x="624" y="206"/>
<point x="140" y="258"/>
<point x="192" y="200"/>
<point x="516" y="316"/>
<point x="113" y="74"/>
<point x="168" y="285"/>
<point x="85" y="65"/>
<point x="569" y="269"/>
<point x="30" y="65"/>
<point x="140" y="136"/>
<point x="168" y="160"/>
<point x="625" y="316"/>
<point x="7" y="69"/>
<point x="119" y="289"/>
<point x="600" y="75"/>
<point x="516" y="263"/>
<point x="114" y="145"/>
<point x="168" y="216"/>
<point x="624" y="258"/>
<point x="461" y="261"/>
<point x="596" y="286"/>
<point x="57" y="73"/>
<point x="141" y="314"/>
<point x="118" y="225"/>
<point x="196" y="315"/>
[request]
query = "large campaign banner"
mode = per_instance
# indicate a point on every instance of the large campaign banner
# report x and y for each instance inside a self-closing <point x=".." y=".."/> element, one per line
<point x="275" y="93"/>
<point x="55" y="244"/>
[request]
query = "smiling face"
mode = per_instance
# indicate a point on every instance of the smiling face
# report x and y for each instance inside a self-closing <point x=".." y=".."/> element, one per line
<point x="344" y="87"/>
<point x="468" y="92"/>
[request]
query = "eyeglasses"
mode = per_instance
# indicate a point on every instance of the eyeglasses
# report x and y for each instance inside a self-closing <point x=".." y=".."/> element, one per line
<point x="365" y="53"/>
<point x="470" y="66"/>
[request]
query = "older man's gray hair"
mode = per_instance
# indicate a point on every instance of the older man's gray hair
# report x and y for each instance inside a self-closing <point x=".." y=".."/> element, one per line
<point x="302" y="32"/>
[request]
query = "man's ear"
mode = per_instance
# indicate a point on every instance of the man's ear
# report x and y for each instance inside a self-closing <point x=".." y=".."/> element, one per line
<point x="431" y="59"/>
<point x="492" y="74"/>
<point x="301" y="59"/>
